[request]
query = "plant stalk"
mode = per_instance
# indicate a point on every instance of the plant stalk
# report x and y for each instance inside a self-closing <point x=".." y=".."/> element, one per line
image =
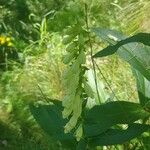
<point x="91" y="51"/>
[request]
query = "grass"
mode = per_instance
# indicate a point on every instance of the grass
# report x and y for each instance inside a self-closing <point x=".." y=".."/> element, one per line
<point x="40" y="77"/>
<point x="118" y="76"/>
<point x="10" y="139"/>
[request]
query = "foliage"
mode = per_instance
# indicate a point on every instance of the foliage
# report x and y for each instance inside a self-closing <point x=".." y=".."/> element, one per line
<point x="16" y="93"/>
<point x="130" y="53"/>
<point x="96" y="128"/>
<point x="105" y="121"/>
<point x="22" y="18"/>
<point x="133" y="57"/>
<point x="34" y="68"/>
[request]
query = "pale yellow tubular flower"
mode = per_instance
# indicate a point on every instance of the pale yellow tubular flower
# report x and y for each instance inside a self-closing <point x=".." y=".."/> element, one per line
<point x="79" y="132"/>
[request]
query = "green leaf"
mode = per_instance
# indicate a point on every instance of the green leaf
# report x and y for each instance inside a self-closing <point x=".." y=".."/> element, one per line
<point x="68" y="39"/>
<point x="88" y="89"/>
<point x="136" y="55"/>
<point x="140" y="37"/>
<point x="67" y="58"/>
<point x="72" y="30"/>
<point x="102" y="117"/>
<point x="103" y="93"/>
<point x="117" y="136"/>
<point x="143" y="87"/>
<point x="146" y="141"/>
<point x="82" y="145"/>
<point x="82" y="57"/>
<point x="49" y="117"/>
<point x="71" y="47"/>
<point x="108" y="35"/>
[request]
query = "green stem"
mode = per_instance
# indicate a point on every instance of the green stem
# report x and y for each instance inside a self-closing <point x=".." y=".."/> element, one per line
<point x="91" y="51"/>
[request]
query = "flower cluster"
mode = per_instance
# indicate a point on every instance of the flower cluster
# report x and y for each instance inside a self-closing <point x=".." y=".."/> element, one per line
<point x="5" y="41"/>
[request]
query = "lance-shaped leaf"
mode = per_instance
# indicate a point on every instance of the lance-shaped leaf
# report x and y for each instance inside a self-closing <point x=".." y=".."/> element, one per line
<point x="102" y="117"/>
<point x="140" y="37"/>
<point x="135" y="54"/>
<point x="49" y="117"/>
<point x="143" y="87"/>
<point x="118" y="136"/>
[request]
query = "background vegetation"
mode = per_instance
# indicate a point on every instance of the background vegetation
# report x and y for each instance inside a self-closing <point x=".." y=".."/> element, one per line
<point x="31" y="67"/>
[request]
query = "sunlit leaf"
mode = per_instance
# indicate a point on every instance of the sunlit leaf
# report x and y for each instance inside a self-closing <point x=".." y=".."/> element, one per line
<point x="135" y="54"/>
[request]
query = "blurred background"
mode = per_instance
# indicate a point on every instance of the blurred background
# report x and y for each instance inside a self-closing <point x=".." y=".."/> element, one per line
<point x="31" y="67"/>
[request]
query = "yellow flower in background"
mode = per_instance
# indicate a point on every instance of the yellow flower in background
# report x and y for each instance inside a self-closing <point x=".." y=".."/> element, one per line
<point x="2" y="40"/>
<point x="5" y="41"/>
